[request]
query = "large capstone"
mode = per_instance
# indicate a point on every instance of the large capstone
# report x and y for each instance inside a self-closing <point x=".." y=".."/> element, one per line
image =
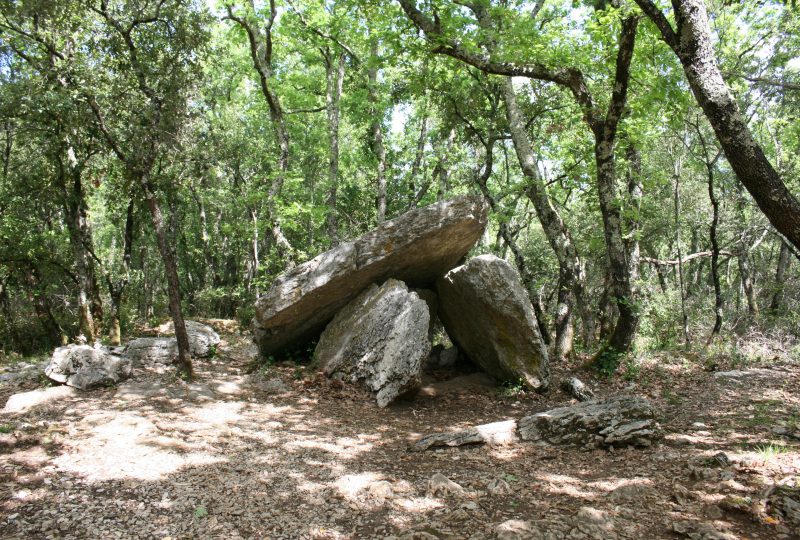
<point x="85" y="367"/>
<point x="619" y="421"/>
<point x="488" y="314"/>
<point x="380" y="339"/>
<point x="417" y="248"/>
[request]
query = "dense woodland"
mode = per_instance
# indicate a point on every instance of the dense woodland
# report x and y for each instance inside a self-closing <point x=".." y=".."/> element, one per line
<point x="171" y="158"/>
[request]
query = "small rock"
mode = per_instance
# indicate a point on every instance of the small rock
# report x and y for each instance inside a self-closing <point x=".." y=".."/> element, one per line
<point x="84" y="367"/>
<point x="498" y="486"/>
<point x="631" y="492"/>
<point x="594" y="523"/>
<point x="516" y="529"/>
<point x="577" y="389"/>
<point x="440" y="485"/>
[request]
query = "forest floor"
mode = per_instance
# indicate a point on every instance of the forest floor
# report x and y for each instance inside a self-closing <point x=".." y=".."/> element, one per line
<point x="286" y="453"/>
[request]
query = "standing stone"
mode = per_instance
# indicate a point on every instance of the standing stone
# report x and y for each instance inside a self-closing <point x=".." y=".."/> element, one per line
<point x="417" y="248"/>
<point x="379" y="339"/>
<point x="85" y="367"/>
<point x="488" y="315"/>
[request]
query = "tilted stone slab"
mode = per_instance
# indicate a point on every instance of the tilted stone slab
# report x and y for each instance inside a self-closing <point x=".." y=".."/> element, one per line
<point x="487" y="312"/>
<point x="619" y="421"/>
<point x="380" y="340"/>
<point x="417" y="248"/>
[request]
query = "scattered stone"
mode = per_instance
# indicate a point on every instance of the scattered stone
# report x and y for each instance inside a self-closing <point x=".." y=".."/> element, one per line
<point x="380" y="491"/>
<point x="620" y="421"/>
<point x="417" y="248"/>
<point x="681" y="494"/>
<point x="594" y="523"/>
<point x="629" y="493"/>
<point x="495" y="433"/>
<point x="488" y="315"/>
<point x="203" y="340"/>
<point x="442" y="357"/>
<point x="84" y="367"/>
<point x="440" y="485"/>
<point x="700" y="531"/>
<point x="517" y="529"/>
<point x="24" y="402"/>
<point x="379" y="339"/>
<point x="498" y="486"/>
<point x="577" y="389"/>
<point x="272" y="386"/>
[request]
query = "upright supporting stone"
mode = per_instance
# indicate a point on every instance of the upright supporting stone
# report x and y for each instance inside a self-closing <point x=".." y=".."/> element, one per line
<point x="488" y="314"/>
<point x="379" y="339"/>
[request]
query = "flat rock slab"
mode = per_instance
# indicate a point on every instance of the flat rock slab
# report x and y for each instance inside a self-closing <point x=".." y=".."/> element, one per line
<point x="488" y="315"/>
<point x="380" y="339"/>
<point x="417" y="248"/>
<point x="25" y="401"/>
<point x="85" y="367"/>
<point x="619" y="421"/>
<point x="495" y="433"/>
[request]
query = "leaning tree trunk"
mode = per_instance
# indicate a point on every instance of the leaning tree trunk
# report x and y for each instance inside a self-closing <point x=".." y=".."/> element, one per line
<point x="558" y="236"/>
<point x="117" y="288"/>
<point x="693" y="45"/>
<point x="183" y="362"/>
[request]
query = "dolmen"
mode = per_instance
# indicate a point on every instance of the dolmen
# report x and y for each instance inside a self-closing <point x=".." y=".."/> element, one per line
<point x="371" y="303"/>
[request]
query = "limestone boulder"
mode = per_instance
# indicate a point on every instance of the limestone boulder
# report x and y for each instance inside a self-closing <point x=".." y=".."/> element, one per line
<point x="203" y="341"/>
<point x="152" y="350"/>
<point x="619" y="421"/>
<point x="487" y="313"/>
<point x="85" y="367"/>
<point x="380" y="339"/>
<point x="417" y="248"/>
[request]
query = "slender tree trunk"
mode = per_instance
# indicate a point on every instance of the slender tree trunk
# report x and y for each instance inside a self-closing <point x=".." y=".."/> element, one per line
<point x="681" y="286"/>
<point x="117" y="290"/>
<point x="784" y="260"/>
<point x="558" y="236"/>
<point x="376" y="130"/>
<point x="335" y="80"/>
<point x="442" y="169"/>
<point x="718" y="300"/>
<point x="416" y="165"/>
<point x="693" y="44"/>
<point x="8" y="315"/>
<point x="183" y="362"/>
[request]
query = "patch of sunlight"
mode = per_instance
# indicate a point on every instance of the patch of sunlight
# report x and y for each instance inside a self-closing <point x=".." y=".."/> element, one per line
<point x="128" y="446"/>
<point x="218" y="413"/>
<point x="568" y="485"/>
<point x="326" y="533"/>
<point x="418" y="504"/>
<point x="350" y="485"/>
<point x="506" y="452"/>
<point x="345" y="447"/>
<point x="611" y="484"/>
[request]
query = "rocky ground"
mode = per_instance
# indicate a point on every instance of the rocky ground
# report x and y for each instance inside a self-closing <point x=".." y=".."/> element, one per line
<point x="286" y="453"/>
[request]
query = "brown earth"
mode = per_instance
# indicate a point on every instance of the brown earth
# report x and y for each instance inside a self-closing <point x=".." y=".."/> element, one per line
<point x="232" y="456"/>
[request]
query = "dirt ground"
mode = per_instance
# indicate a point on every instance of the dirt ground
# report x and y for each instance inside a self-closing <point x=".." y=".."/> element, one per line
<point x="285" y="453"/>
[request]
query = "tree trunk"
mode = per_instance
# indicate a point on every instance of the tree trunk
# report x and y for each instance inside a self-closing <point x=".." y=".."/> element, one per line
<point x="718" y="300"/>
<point x="183" y="362"/>
<point x="605" y="132"/>
<point x="558" y="236"/>
<point x="784" y="259"/>
<point x="376" y="130"/>
<point x="693" y="45"/>
<point x="681" y="286"/>
<point x="416" y="165"/>
<point x="333" y="94"/>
